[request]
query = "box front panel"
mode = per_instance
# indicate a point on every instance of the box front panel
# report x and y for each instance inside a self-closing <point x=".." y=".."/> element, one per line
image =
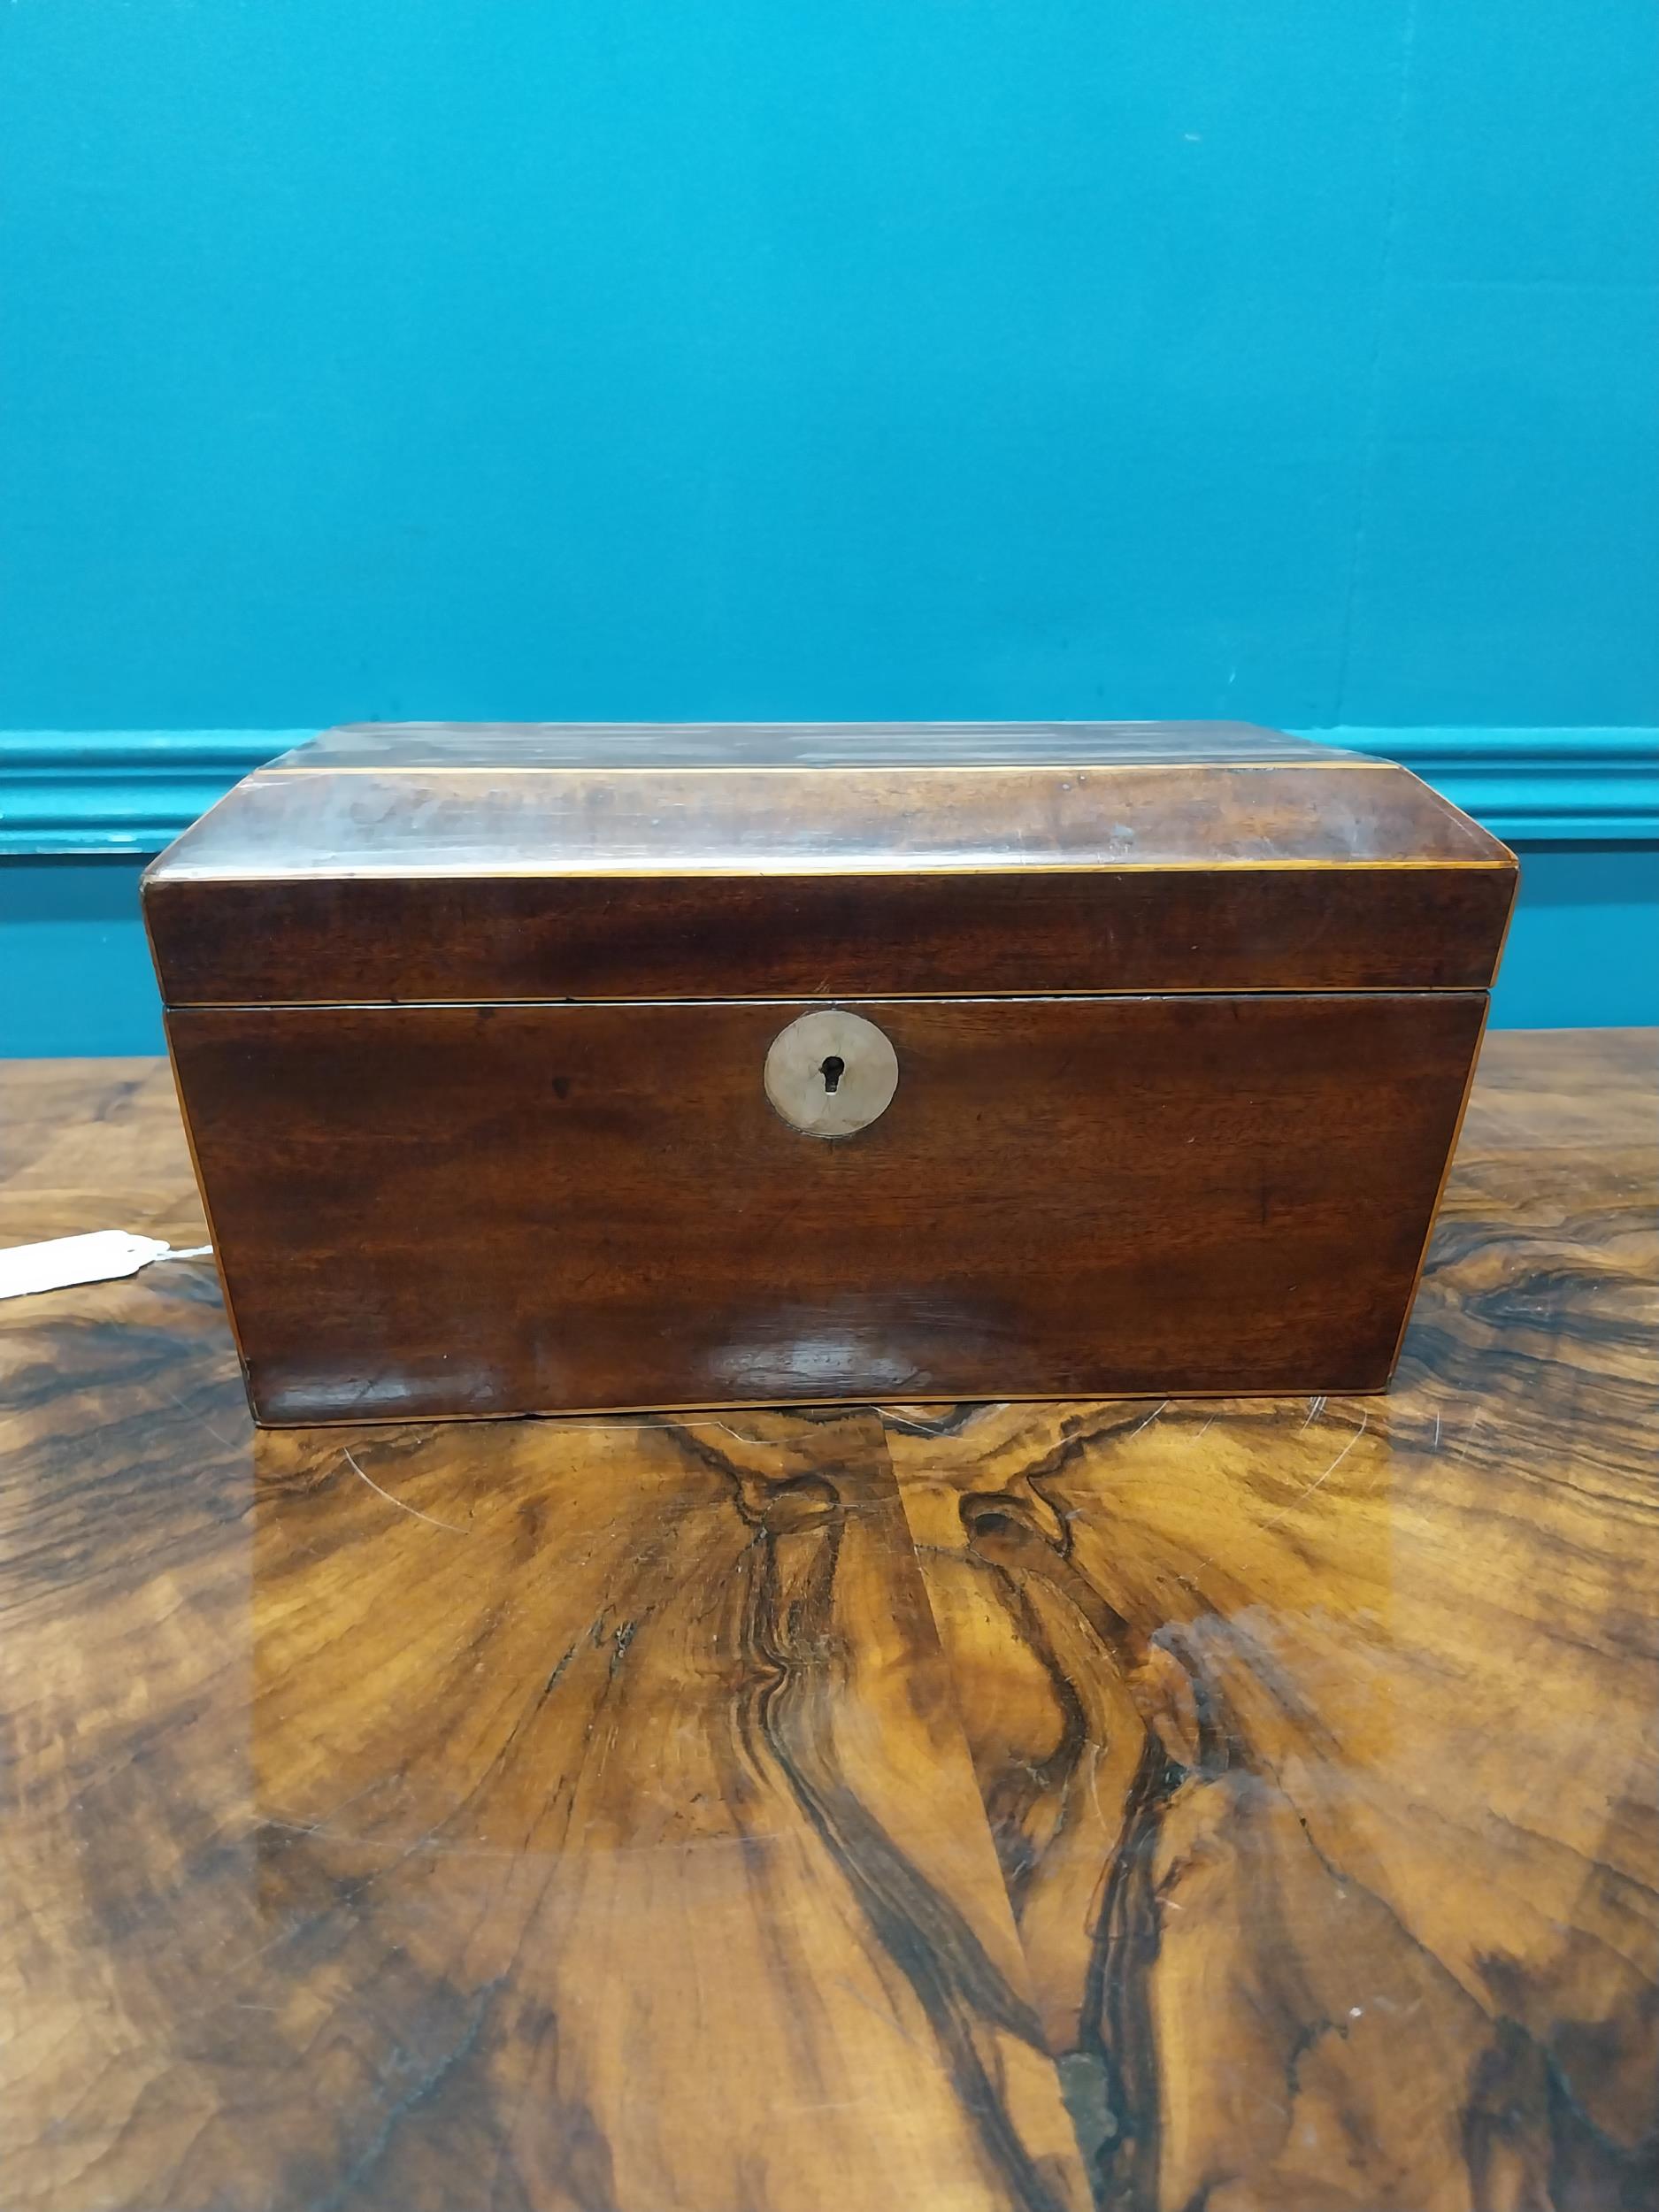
<point x="431" y="1210"/>
<point x="299" y="940"/>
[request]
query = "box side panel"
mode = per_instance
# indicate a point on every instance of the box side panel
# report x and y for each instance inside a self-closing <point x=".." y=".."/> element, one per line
<point x="464" y="940"/>
<point x="447" y="1210"/>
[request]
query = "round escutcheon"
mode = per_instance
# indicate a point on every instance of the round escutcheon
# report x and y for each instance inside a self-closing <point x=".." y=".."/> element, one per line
<point x="830" y="1073"/>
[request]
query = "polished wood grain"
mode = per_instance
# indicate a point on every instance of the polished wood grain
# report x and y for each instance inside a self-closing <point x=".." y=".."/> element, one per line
<point x="535" y="861"/>
<point x="1319" y="1744"/>
<point x="440" y="1210"/>
<point x="583" y="1814"/>
<point x="469" y="1025"/>
<point x="373" y="940"/>
<point x="399" y="819"/>
<point x="507" y="1818"/>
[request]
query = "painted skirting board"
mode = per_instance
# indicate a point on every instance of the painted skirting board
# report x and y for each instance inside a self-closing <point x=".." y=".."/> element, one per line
<point x="131" y="791"/>
<point x="120" y="791"/>
<point x="1538" y="786"/>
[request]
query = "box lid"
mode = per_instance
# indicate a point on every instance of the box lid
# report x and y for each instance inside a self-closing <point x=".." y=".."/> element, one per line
<point x="434" y="862"/>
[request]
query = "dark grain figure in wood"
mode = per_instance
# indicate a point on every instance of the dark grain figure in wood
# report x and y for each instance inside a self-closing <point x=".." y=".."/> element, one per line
<point x="1327" y="1815"/>
<point x="807" y="1810"/>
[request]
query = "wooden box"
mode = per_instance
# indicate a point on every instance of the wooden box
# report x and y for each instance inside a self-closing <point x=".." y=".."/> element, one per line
<point x="550" y="1067"/>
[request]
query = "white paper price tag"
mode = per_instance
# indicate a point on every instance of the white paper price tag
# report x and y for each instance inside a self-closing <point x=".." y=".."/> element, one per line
<point x="100" y="1256"/>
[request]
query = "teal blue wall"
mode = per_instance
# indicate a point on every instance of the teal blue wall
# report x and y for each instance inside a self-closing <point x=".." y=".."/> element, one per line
<point x="935" y="358"/>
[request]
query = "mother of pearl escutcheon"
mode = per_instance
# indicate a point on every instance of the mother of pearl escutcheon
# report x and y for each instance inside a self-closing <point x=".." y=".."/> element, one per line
<point x="830" y="1073"/>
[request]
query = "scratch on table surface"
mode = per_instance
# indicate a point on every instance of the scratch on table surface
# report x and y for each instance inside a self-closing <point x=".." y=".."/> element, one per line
<point x="1316" y="1407"/>
<point x="218" y="1435"/>
<point x="650" y="1428"/>
<point x="413" y="1511"/>
<point x="1150" y="1419"/>
<point x="1469" y="1434"/>
<point x="1302" y="1496"/>
<point x="887" y="2019"/>
<point x="1095" y="1750"/>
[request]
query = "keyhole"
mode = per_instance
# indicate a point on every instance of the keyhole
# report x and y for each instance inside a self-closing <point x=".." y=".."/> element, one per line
<point x="830" y="1073"/>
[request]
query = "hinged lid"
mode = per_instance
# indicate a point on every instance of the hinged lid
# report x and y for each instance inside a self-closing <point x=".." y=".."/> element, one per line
<point x="477" y="863"/>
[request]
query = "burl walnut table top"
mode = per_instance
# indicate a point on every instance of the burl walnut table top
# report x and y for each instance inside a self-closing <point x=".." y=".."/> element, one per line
<point x="1245" y="1806"/>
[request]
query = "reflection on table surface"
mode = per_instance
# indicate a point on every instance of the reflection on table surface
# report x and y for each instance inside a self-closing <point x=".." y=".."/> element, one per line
<point x="1252" y="1806"/>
